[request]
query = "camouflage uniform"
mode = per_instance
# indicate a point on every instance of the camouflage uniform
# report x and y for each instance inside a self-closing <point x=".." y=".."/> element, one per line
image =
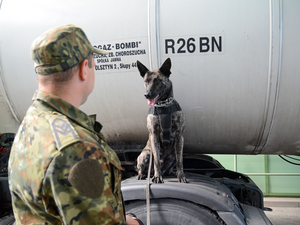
<point x="52" y="139"/>
<point x="61" y="171"/>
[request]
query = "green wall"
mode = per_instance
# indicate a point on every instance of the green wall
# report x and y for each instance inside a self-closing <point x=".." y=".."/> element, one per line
<point x="273" y="175"/>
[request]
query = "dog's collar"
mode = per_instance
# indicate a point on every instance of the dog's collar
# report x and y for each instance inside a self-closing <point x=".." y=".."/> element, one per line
<point x="171" y="108"/>
<point x="164" y="103"/>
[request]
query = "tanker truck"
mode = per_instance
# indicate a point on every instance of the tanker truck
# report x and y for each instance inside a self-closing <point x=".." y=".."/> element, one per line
<point x="235" y="67"/>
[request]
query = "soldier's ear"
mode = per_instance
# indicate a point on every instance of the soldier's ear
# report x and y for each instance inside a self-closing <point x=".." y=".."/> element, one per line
<point x="165" y="69"/>
<point x="83" y="70"/>
<point x="143" y="69"/>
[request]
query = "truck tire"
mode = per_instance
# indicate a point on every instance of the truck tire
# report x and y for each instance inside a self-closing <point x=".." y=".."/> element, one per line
<point x="173" y="212"/>
<point x="7" y="220"/>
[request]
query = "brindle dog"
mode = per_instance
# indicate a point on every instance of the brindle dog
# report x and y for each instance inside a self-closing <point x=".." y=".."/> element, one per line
<point x="166" y="124"/>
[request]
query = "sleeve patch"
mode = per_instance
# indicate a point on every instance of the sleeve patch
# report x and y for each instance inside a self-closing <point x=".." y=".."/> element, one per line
<point x="87" y="177"/>
<point x="64" y="133"/>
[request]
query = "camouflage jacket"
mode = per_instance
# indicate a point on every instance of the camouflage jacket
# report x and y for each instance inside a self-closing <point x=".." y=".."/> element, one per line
<point x="61" y="171"/>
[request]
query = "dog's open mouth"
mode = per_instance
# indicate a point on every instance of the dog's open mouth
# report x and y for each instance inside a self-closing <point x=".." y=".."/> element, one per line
<point x="151" y="102"/>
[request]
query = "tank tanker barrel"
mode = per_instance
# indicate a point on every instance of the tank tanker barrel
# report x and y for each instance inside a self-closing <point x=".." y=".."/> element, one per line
<point x="234" y="67"/>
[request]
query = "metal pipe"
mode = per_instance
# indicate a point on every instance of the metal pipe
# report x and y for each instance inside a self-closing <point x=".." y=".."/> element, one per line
<point x="266" y="162"/>
<point x="235" y="163"/>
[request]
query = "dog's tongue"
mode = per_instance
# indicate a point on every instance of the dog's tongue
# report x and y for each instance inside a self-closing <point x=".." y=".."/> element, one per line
<point x="151" y="102"/>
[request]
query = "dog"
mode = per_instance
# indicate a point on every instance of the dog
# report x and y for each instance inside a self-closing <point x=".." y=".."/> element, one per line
<point x="166" y="124"/>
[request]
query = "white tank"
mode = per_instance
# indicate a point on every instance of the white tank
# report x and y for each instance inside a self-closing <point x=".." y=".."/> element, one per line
<point x="235" y="66"/>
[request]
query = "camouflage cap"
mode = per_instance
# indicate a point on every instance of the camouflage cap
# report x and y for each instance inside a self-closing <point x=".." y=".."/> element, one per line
<point x="60" y="49"/>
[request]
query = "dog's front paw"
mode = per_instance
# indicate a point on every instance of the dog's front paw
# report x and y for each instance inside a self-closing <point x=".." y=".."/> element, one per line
<point x="157" y="179"/>
<point x="140" y="177"/>
<point x="181" y="178"/>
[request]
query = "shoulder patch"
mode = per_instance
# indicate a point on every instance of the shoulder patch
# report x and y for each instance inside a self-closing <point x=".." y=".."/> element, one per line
<point x="63" y="131"/>
<point x="87" y="177"/>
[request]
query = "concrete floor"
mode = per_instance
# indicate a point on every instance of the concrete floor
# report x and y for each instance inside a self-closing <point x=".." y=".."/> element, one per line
<point x="286" y="211"/>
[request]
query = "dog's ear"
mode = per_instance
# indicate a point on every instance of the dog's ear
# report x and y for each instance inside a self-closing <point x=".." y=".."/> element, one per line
<point x="143" y="69"/>
<point x="165" y="69"/>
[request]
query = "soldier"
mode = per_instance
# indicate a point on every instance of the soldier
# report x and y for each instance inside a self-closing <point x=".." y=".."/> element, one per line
<point x="61" y="171"/>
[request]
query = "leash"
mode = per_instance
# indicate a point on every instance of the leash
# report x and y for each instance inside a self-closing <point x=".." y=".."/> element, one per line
<point x="148" y="190"/>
